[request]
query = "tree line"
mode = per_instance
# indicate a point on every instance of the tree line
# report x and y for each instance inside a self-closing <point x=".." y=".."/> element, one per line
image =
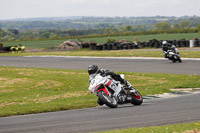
<point x="87" y="27"/>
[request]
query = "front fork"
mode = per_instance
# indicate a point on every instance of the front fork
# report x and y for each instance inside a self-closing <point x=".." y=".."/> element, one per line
<point x="105" y="90"/>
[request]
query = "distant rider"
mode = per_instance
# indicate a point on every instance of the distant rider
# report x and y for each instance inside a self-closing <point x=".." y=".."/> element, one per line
<point x="93" y="70"/>
<point x="167" y="47"/>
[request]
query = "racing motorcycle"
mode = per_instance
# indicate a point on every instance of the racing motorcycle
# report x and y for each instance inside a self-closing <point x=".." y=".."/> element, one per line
<point x="173" y="55"/>
<point x="111" y="92"/>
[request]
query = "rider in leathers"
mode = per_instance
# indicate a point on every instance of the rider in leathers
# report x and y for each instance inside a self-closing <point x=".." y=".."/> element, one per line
<point x="93" y="70"/>
<point x="167" y="47"/>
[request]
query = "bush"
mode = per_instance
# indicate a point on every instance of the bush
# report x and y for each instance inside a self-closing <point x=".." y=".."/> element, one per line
<point x="110" y="40"/>
<point x="199" y="29"/>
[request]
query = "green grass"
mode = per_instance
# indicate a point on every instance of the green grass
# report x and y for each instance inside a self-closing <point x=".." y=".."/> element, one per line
<point x="143" y="38"/>
<point x="122" y="53"/>
<point x="45" y="44"/>
<point x="175" y="128"/>
<point x="32" y="90"/>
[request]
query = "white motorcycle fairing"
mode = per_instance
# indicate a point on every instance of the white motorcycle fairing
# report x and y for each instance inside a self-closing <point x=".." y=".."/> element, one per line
<point x="106" y="81"/>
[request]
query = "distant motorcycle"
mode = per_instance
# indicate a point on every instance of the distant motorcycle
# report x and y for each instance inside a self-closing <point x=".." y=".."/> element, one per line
<point x="112" y="93"/>
<point x="173" y="55"/>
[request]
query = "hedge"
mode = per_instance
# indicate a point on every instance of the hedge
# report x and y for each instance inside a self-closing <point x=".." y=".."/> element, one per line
<point x="193" y="30"/>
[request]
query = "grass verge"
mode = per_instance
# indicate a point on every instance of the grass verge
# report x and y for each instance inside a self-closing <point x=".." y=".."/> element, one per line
<point x="34" y="90"/>
<point x="121" y="53"/>
<point x="193" y="127"/>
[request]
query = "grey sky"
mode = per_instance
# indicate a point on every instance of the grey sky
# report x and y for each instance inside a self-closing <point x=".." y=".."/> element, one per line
<point x="10" y="9"/>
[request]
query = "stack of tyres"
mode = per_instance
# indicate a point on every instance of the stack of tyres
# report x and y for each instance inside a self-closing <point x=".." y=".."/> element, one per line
<point x="99" y="47"/>
<point x="105" y="46"/>
<point x="197" y="42"/>
<point x="110" y="46"/>
<point x="93" y="46"/>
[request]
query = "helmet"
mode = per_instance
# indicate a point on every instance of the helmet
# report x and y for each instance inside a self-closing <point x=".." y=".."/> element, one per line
<point x="92" y="69"/>
<point x="164" y="42"/>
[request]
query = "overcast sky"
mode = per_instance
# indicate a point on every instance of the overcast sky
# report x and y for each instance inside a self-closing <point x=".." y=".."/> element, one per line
<point x="10" y="9"/>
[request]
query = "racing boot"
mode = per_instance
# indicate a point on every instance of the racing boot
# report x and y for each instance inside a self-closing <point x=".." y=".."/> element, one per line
<point x="165" y="54"/>
<point x="129" y="87"/>
<point x="121" y="97"/>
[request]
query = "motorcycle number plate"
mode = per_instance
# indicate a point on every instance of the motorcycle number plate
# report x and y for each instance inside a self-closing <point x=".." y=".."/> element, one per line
<point x="113" y="86"/>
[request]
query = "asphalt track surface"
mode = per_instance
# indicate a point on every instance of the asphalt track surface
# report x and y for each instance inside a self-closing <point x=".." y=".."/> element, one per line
<point x="152" y="112"/>
<point x="147" y="65"/>
<point x="159" y="111"/>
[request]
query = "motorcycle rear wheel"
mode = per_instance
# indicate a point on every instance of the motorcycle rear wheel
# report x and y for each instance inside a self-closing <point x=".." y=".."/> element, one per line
<point x="137" y="98"/>
<point x="109" y="101"/>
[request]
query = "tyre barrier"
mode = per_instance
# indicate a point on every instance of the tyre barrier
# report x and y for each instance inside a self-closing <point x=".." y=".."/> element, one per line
<point x="154" y="43"/>
<point x="5" y="49"/>
<point x="115" y="46"/>
<point x="12" y="49"/>
<point x="17" y="49"/>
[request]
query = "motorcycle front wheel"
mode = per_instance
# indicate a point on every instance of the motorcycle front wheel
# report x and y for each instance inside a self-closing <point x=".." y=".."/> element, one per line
<point x="137" y="98"/>
<point x="179" y="60"/>
<point x="109" y="101"/>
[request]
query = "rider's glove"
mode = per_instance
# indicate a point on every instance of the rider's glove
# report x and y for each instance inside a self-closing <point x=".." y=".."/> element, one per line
<point x="104" y="72"/>
<point x="107" y="72"/>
